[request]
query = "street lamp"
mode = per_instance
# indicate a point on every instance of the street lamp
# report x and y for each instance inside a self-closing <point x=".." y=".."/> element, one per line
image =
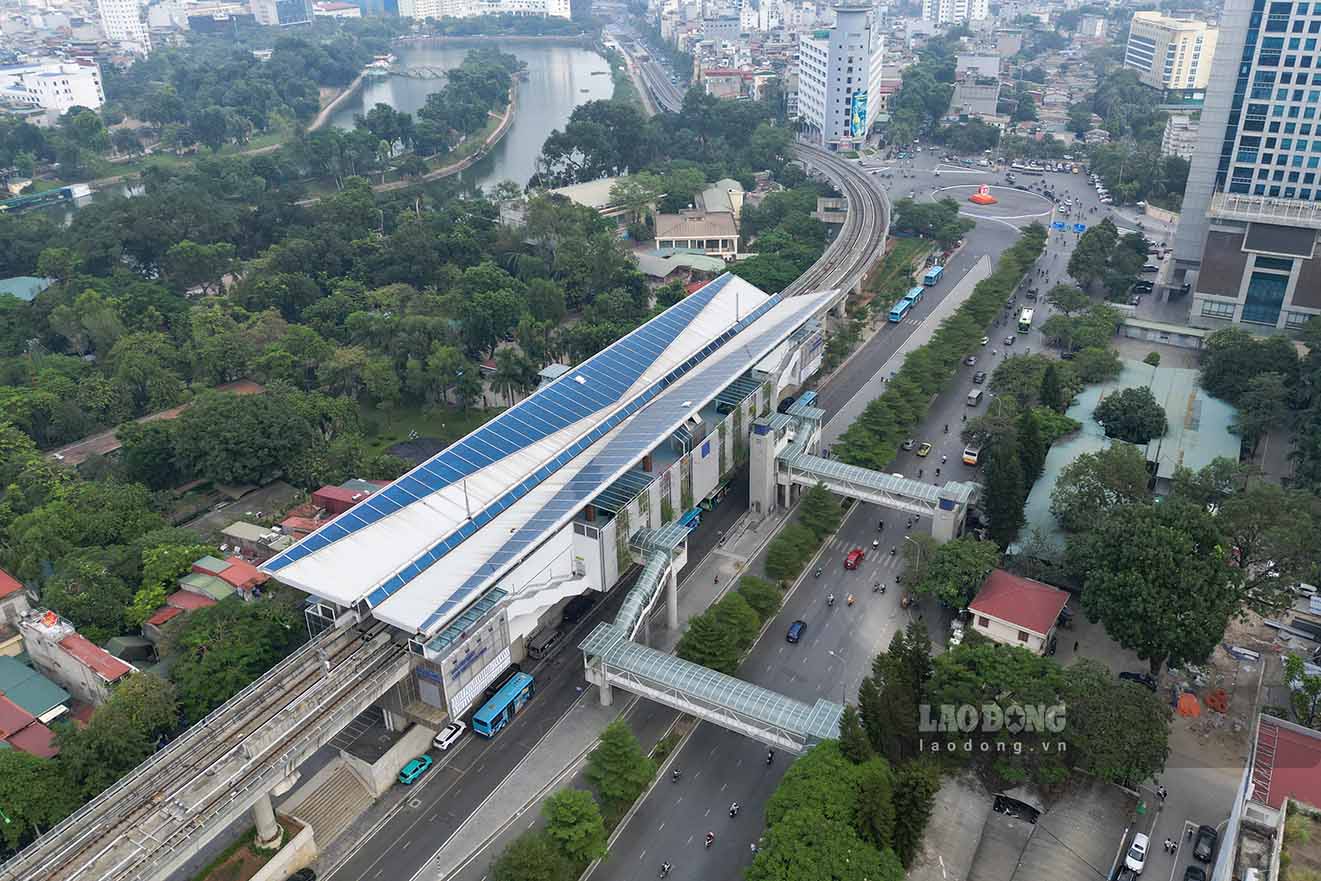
<point x="843" y="685"/>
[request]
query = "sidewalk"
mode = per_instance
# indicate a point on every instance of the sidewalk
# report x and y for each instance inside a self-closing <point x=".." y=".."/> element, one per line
<point x="852" y="409"/>
<point x="560" y="752"/>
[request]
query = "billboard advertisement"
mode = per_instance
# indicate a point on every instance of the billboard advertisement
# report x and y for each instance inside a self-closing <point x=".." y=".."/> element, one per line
<point x="858" y="116"/>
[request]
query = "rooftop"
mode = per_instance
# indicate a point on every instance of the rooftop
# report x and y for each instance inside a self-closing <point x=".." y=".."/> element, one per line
<point x="29" y="689"/>
<point x="9" y="585"/>
<point x="696" y="224"/>
<point x="486" y="501"/>
<point x="658" y="265"/>
<point x="188" y="601"/>
<point x="96" y="659"/>
<point x="1020" y="601"/>
<point x="1286" y="763"/>
<point x="24" y="287"/>
<point x="594" y="194"/>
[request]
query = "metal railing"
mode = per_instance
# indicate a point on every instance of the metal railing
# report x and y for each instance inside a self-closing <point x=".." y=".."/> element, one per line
<point x="1294" y="212"/>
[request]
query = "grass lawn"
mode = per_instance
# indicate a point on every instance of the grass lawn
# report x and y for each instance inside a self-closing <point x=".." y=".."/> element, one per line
<point x="893" y="275"/>
<point x="446" y="424"/>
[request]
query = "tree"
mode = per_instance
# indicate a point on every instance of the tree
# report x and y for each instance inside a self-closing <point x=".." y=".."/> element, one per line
<point x="1304" y="690"/>
<point x="1094" y="483"/>
<point x="1052" y="392"/>
<point x="1097" y="364"/>
<point x="531" y="856"/>
<point x="89" y="591"/>
<point x="1232" y="358"/>
<point x="1157" y="577"/>
<point x="264" y="434"/>
<point x="1271" y="532"/>
<point x="161" y="567"/>
<point x="875" y="813"/>
<point x="618" y="767"/>
<point x="637" y="193"/>
<point x="707" y="642"/>
<point x="121" y="734"/>
<point x="1032" y="447"/>
<point x="222" y="648"/>
<point x="574" y="824"/>
<point x="957" y="569"/>
<point x="1006" y="490"/>
<point x="1131" y="414"/>
<point x="189" y="264"/>
<point x="761" y="595"/>
<point x="915" y="788"/>
<point x="805" y="845"/>
<point x="34" y="794"/>
<point x="1262" y="409"/>
<point x="1118" y="731"/>
<point x="888" y="699"/>
<point x="853" y="742"/>
<point x="788" y="552"/>
<point x="820" y="511"/>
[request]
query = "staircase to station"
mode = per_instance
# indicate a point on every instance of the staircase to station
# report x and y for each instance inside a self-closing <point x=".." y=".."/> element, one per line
<point x="338" y="799"/>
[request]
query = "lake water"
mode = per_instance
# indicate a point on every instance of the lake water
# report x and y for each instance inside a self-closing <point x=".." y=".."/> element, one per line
<point x="559" y="78"/>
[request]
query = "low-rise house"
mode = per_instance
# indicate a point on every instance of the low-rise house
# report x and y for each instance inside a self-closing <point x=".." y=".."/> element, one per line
<point x="31" y="691"/>
<point x="22" y="731"/>
<point x="713" y="234"/>
<point x="89" y="672"/>
<point x="255" y="542"/>
<point x="1017" y="611"/>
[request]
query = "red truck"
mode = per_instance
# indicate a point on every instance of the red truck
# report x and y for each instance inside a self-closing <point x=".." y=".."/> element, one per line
<point x="855" y="557"/>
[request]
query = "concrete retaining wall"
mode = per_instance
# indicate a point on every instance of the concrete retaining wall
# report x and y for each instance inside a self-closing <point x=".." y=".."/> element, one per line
<point x="1161" y="214"/>
<point x="297" y="853"/>
<point x="379" y="777"/>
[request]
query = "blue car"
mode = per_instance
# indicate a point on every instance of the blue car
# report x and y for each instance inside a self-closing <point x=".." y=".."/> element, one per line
<point x="414" y="769"/>
<point x="796" y="631"/>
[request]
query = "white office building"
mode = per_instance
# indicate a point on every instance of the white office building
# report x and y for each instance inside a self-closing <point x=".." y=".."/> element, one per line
<point x="1170" y="53"/>
<point x="52" y="85"/>
<point x="955" y="11"/>
<point x="125" y="21"/>
<point x="839" y="70"/>
<point x="423" y="9"/>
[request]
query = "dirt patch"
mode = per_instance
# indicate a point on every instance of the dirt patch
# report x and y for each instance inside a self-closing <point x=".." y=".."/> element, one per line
<point x="242" y="861"/>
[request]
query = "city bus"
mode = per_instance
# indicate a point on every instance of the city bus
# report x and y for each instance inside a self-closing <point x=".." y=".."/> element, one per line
<point x="1025" y="321"/>
<point x="900" y="310"/>
<point x="497" y="712"/>
<point x="915" y="294"/>
<point x="933" y="275"/>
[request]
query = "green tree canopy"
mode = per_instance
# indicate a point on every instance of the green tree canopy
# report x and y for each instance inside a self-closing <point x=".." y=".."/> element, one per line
<point x="574" y="824"/>
<point x="1131" y="414"/>
<point x="1096" y="482"/>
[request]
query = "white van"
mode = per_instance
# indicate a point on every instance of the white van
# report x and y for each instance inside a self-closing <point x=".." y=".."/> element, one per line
<point x="543" y="643"/>
<point x="974" y="397"/>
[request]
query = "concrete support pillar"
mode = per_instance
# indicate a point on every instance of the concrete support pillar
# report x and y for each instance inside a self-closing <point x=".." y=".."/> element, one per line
<point x="393" y="721"/>
<point x="646" y="463"/>
<point x="947" y="521"/>
<point x="589" y="513"/>
<point x="672" y="600"/>
<point x="269" y="832"/>
<point x="605" y="689"/>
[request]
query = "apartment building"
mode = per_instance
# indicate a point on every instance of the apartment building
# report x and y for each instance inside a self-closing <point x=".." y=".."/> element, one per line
<point x="838" y="69"/>
<point x="1170" y="54"/>
<point x="52" y="85"/>
<point x="955" y="11"/>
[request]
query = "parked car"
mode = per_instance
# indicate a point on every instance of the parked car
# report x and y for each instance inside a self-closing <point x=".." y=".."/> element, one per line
<point x="302" y="875"/>
<point x="924" y="450"/>
<point x="1194" y="873"/>
<point x="979" y="377"/>
<point x="795" y="631"/>
<point x="415" y="768"/>
<point x="1143" y="287"/>
<point x="970" y="360"/>
<point x="449" y="735"/>
<point x="909" y="444"/>
<point x="1135" y="300"/>
<point x="1148" y="268"/>
<point x="1143" y="679"/>
<point x="1204" y="846"/>
<point x="985" y="340"/>
<point x="1009" y="340"/>
<point x="1136" y="858"/>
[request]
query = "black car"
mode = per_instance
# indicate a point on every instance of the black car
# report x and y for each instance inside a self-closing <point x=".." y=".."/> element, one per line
<point x="1142" y="287"/>
<point x="302" y="875"/>
<point x="1143" y="679"/>
<point x="1194" y="873"/>
<point x="979" y="377"/>
<point x="1204" y="847"/>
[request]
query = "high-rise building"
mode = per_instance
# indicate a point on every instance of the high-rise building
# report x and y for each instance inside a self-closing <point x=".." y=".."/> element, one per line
<point x="1247" y="238"/>
<point x="955" y="11"/>
<point x="125" y="21"/>
<point x="838" y="69"/>
<point x="1170" y="54"/>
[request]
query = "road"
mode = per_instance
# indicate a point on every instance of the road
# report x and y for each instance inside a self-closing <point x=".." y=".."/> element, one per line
<point x="830" y="661"/>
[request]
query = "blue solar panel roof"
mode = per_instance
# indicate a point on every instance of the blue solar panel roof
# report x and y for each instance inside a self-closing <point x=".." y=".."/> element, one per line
<point x="608" y="374"/>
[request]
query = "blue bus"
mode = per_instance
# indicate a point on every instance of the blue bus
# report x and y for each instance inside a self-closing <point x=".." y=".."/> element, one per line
<point x="497" y="712"/>
<point x="900" y="310"/>
<point x="933" y="275"/>
<point x="916" y="294"/>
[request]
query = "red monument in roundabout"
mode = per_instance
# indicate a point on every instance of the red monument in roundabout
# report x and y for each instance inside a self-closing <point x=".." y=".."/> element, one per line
<point x="983" y="196"/>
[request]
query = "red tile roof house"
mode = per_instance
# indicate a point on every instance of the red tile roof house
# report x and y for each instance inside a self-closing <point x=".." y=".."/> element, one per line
<point x="57" y="650"/>
<point x="21" y="730"/>
<point x="13" y="599"/>
<point x="1017" y="611"/>
<point x="177" y="604"/>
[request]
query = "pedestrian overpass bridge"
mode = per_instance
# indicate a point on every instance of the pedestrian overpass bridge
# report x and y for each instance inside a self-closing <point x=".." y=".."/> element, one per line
<point x="612" y="659"/>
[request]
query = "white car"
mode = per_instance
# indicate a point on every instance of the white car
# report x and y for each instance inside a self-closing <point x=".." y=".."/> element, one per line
<point x="449" y="735"/>
<point x="1136" y="858"/>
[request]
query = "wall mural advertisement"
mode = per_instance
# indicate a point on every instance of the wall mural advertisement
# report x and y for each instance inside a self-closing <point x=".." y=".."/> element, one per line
<point x="858" y="115"/>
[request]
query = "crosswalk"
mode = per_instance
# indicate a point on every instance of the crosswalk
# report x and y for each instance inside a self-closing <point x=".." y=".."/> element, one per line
<point x="837" y="549"/>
